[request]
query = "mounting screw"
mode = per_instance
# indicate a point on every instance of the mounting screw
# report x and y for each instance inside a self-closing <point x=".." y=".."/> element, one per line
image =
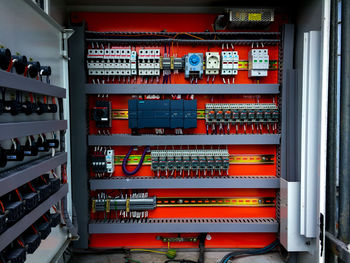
<point x="308" y="243"/>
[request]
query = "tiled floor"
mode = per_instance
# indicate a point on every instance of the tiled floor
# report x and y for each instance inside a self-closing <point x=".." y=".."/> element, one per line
<point x="210" y="257"/>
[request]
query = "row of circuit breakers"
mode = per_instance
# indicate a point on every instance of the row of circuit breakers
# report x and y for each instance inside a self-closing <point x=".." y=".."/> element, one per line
<point x="182" y="114"/>
<point x="149" y="63"/>
<point x="211" y="162"/>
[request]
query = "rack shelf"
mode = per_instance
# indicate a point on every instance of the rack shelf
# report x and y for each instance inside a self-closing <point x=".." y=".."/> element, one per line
<point x="151" y="140"/>
<point x="186" y="225"/>
<point x="270" y="182"/>
<point x="20" y="175"/>
<point x="14" y="231"/>
<point x="14" y="81"/>
<point x="182" y="88"/>
<point x="21" y="129"/>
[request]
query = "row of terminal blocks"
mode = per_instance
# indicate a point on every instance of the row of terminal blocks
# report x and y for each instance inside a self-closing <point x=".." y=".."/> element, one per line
<point x="183" y="162"/>
<point x="148" y="63"/>
<point x="220" y="116"/>
<point x="135" y="205"/>
<point x="241" y="113"/>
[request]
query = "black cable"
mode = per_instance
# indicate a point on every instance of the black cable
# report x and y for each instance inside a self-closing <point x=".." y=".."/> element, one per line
<point x="201" y="245"/>
<point x="249" y="252"/>
<point x="180" y="261"/>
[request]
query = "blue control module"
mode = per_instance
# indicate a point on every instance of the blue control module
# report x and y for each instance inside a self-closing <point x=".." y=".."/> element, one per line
<point x="162" y="114"/>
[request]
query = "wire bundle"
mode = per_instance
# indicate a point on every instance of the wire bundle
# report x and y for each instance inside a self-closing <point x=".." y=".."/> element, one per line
<point x="138" y="167"/>
<point x="263" y="250"/>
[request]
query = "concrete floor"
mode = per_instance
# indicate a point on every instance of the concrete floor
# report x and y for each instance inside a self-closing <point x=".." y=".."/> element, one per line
<point x="210" y="257"/>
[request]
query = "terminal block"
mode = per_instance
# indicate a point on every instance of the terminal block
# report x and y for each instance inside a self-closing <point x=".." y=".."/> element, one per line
<point x="162" y="114"/>
<point x="219" y="115"/>
<point x="102" y="114"/>
<point x="149" y="62"/>
<point x="185" y="162"/>
<point x="229" y="63"/>
<point x="194" y="66"/>
<point x="212" y="63"/>
<point x="136" y="202"/>
<point x="258" y="63"/>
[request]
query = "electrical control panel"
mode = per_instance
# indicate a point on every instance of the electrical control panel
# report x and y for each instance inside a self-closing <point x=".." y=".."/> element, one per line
<point x="258" y="63"/>
<point x="190" y="129"/>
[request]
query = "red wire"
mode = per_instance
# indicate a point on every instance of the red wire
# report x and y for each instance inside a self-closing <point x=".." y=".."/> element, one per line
<point x="45" y="218"/>
<point x="43" y="179"/>
<point x="20" y="242"/>
<point x="31" y="97"/>
<point x="2" y="206"/>
<point x="31" y="187"/>
<point x="36" y="231"/>
<point x="53" y="100"/>
<point x="54" y="208"/>
<point x="19" y="196"/>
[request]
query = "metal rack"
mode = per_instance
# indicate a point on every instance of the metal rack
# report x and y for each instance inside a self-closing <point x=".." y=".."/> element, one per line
<point x="20" y="129"/>
<point x="186" y="225"/>
<point x="14" y="81"/>
<point x="225" y="182"/>
<point x="151" y="140"/>
<point x="182" y="89"/>
<point x="20" y="175"/>
<point x="14" y="231"/>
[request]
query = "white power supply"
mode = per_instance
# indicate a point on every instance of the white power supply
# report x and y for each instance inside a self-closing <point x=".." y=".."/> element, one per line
<point x="258" y="63"/>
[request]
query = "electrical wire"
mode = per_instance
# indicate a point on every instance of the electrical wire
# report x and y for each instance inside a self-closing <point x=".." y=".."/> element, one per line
<point x="260" y="251"/>
<point x="180" y="261"/>
<point x="148" y="250"/>
<point x="138" y="167"/>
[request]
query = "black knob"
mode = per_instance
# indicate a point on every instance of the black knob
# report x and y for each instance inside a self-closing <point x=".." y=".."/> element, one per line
<point x="15" y="154"/>
<point x="2" y="107"/>
<point x="14" y="107"/>
<point x="42" y="144"/>
<point x="33" y="69"/>
<point x="53" y="143"/>
<point x="52" y="108"/>
<point x="42" y="108"/>
<point x="29" y="107"/>
<point x="30" y="149"/>
<point x="3" y="157"/>
<point x="45" y="71"/>
<point x="5" y="58"/>
<point x="19" y="63"/>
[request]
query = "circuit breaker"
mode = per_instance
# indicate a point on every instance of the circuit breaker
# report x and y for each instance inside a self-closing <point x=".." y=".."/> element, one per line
<point x="258" y="63"/>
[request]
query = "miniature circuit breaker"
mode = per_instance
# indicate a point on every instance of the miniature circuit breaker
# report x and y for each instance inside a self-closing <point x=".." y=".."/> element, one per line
<point x="103" y="163"/>
<point x="117" y="61"/>
<point x="229" y="63"/>
<point x="149" y="62"/>
<point x="258" y="63"/>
